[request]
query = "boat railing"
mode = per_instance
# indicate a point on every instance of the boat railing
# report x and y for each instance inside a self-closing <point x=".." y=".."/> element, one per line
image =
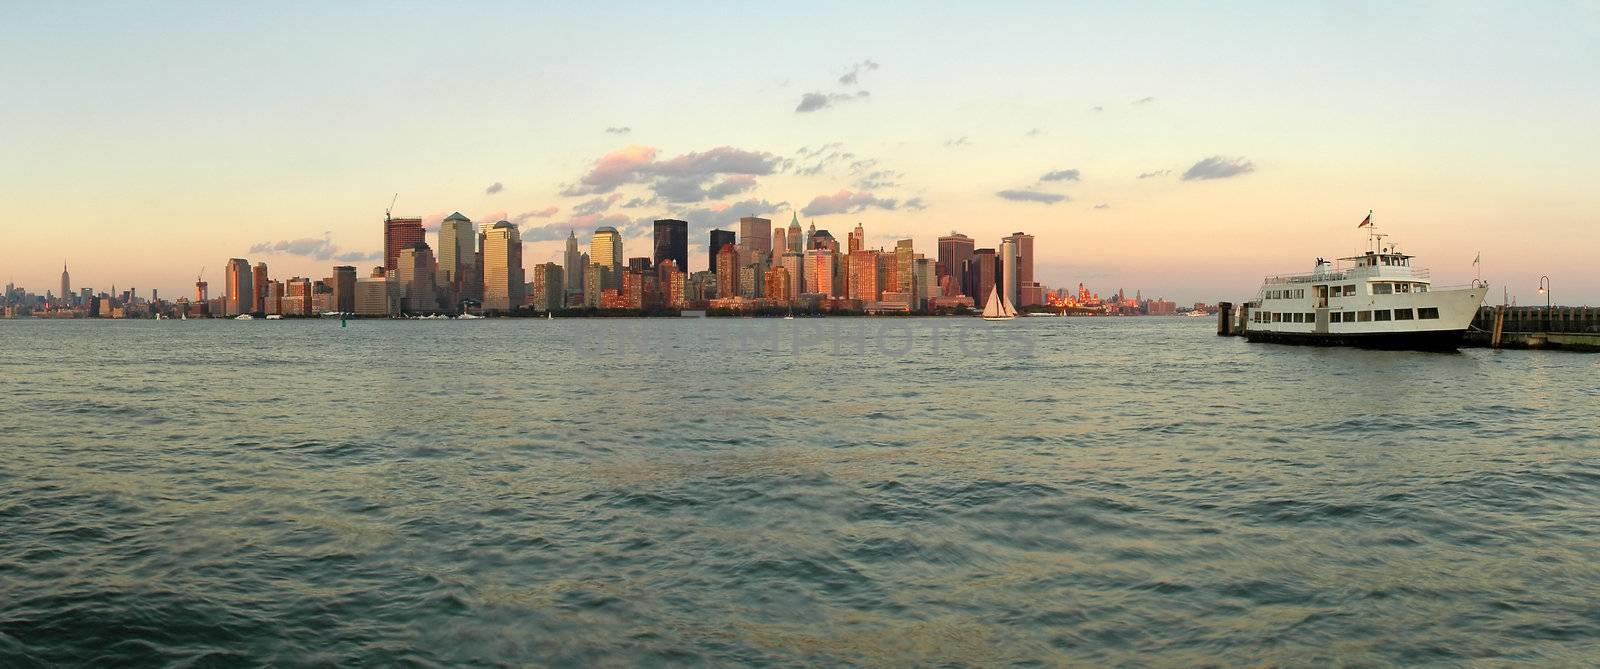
<point x="1343" y="275"/>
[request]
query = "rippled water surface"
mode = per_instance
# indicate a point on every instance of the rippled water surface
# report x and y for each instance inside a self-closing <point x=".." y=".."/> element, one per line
<point x="529" y="492"/>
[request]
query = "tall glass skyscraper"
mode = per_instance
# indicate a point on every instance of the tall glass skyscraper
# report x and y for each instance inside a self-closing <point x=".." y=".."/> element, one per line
<point x="502" y="268"/>
<point x="458" y="257"/>
<point x="719" y="239"/>
<point x="605" y="249"/>
<point x="672" y="242"/>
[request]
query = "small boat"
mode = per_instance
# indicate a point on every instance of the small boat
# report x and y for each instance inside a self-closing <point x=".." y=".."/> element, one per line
<point x="1197" y="313"/>
<point x="468" y="317"/>
<point x="998" y="308"/>
<point x="244" y="317"/>
<point x="549" y="316"/>
<point x="274" y="317"/>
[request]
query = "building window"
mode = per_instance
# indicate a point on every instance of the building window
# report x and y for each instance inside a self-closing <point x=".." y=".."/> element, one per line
<point x="1363" y="316"/>
<point x="1428" y="313"/>
<point x="1402" y="314"/>
<point x="1380" y="315"/>
<point x="1382" y="289"/>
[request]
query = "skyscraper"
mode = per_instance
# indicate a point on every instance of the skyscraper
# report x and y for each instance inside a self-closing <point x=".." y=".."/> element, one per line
<point x="605" y="249"/>
<point x="1029" y="292"/>
<point x="719" y="239"/>
<point x="821" y="267"/>
<point x="796" y="242"/>
<point x="795" y="263"/>
<point x="239" y="293"/>
<point x="980" y="275"/>
<point x="866" y="269"/>
<point x="903" y="256"/>
<point x="573" y="269"/>
<point x="1008" y="270"/>
<point x="344" y="289"/>
<point x="780" y="240"/>
<point x="258" y="281"/>
<point x="399" y="233"/>
<point x="672" y="242"/>
<point x="502" y="268"/>
<point x="66" y="283"/>
<point x="954" y="250"/>
<point x="727" y="266"/>
<point x="415" y="267"/>
<point x="755" y="235"/>
<point x="857" y="241"/>
<point x="458" y="257"/>
<point x="549" y="293"/>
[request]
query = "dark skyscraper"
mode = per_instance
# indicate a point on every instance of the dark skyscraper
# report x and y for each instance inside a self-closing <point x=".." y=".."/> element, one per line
<point x="672" y="242"/>
<point x="400" y="233"/>
<point x="719" y="238"/>
<point x="344" y="289"/>
<point x="954" y="250"/>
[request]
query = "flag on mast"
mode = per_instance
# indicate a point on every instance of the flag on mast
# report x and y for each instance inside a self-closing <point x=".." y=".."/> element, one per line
<point x="1366" y="221"/>
<point x="1478" y="259"/>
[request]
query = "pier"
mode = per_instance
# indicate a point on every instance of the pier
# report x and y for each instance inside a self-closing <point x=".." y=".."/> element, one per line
<point x="1565" y="328"/>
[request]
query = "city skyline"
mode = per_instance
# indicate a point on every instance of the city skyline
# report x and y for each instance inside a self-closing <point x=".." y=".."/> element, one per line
<point x="1150" y="153"/>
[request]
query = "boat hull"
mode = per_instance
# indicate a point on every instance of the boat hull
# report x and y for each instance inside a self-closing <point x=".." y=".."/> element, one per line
<point x="1429" y="340"/>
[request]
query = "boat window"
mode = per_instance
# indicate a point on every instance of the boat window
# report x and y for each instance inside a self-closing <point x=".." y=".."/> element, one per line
<point x="1380" y="315"/>
<point x="1335" y="317"/>
<point x="1402" y="288"/>
<point x="1382" y="289"/>
<point x="1276" y="316"/>
<point x="1420" y="288"/>
<point x="1402" y="314"/>
<point x="1363" y="316"/>
<point x="1428" y="313"/>
<point x="1311" y="318"/>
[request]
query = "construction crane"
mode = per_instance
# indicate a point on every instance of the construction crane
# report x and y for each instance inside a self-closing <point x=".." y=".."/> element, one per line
<point x="390" y="210"/>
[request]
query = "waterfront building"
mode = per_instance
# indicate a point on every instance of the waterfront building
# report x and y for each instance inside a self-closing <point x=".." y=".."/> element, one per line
<point x="1008" y="270"/>
<point x="954" y="251"/>
<point x="755" y="235"/>
<point x="273" y="304"/>
<point x="594" y="281"/>
<point x="672" y="242"/>
<point x="821" y="268"/>
<point x="400" y="233"/>
<point x="503" y="281"/>
<point x="728" y="271"/>
<point x="377" y="295"/>
<point x="700" y="287"/>
<point x="750" y="280"/>
<point x="574" y="266"/>
<point x="297" y="295"/>
<point x="1029" y="292"/>
<point x="674" y="284"/>
<point x="778" y="287"/>
<point x="719" y="239"/>
<point x="858" y="239"/>
<point x="458" y="257"/>
<point x="866" y="275"/>
<point x="605" y="249"/>
<point x="980" y="271"/>
<point x="344" y="289"/>
<point x="924" y="282"/>
<point x="633" y="288"/>
<point x="795" y="263"/>
<point x="549" y="289"/>
<point x="258" y="285"/>
<point x="415" y="271"/>
<point x="901" y="273"/>
<point x="238" y="294"/>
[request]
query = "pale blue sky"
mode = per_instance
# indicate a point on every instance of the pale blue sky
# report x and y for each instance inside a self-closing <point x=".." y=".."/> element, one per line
<point x="145" y="142"/>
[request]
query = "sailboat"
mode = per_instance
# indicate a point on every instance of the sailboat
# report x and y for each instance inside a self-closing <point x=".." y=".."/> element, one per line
<point x="997" y="308"/>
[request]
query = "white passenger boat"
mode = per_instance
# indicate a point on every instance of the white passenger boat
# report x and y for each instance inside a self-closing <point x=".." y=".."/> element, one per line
<point x="1374" y="300"/>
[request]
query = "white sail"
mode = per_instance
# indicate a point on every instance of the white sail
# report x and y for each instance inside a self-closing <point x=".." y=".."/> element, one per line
<point x="997" y="308"/>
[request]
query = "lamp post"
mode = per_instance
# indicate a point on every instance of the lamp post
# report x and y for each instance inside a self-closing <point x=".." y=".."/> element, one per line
<point x="1544" y="289"/>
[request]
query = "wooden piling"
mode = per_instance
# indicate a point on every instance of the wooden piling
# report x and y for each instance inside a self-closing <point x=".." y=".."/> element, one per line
<point x="1224" y="319"/>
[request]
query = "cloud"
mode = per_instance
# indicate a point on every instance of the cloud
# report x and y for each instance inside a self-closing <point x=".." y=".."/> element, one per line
<point x="1152" y="175"/>
<point x="596" y="205"/>
<point x="618" y="130"/>
<point x="637" y="202"/>
<point x="726" y="214"/>
<point x="1034" y="132"/>
<point x="1097" y="108"/>
<point x="1218" y="167"/>
<point x="312" y="247"/>
<point x="846" y="202"/>
<point x="959" y="141"/>
<point x="638" y="164"/>
<point x="732" y="185"/>
<point x="1143" y="101"/>
<point x="811" y="102"/>
<point x="1031" y="196"/>
<point x="915" y="204"/>
<point x="878" y="179"/>
<point x="1102" y="205"/>
<point x="1060" y="175"/>
<point x="494" y="188"/>
<point x="851" y="77"/>
<point x="523" y="217"/>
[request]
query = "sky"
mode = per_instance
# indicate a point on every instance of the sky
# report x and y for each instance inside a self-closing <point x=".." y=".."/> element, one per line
<point x="1182" y="149"/>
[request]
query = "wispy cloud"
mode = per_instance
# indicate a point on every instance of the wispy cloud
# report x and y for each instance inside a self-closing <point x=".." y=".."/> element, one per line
<point x="846" y="202"/>
<point x="681" y="174"/>
<point x="1031" y="196"/>
<point x="618" y="130"/>
<point x="524" y="217"/>
<point x="1036" y="132"/>
<point x="1102" y="205"/>
<point x="1097" y="108"/>
<point x="1218" y="167"/>
<point x="1060" y="175"/>
<point x="811" y="102"/>
<point x="853" y="75"/>
<point x="726" y="214"/>
<point x="595" y="205"/>
<point x="1143" y="101"/>
<point x="878" y="180"/>
<point x="1156" y="173"/>
<point x="312" y="247"/>
<point x="915" y="204"/>
<point x="958" y="141"/>
<point x="494" y="188"/>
